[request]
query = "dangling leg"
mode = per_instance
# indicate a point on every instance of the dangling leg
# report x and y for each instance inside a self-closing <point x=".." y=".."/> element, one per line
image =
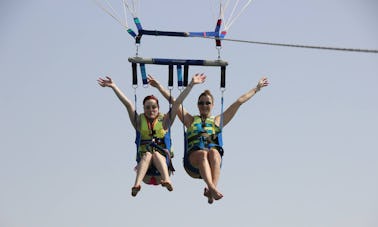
<point x="215" y="164"/>
<point x="199" y="160"/>
<point x="142" y="168"/>
<point x="214" y="161"/>
<point x="159" y="162"/>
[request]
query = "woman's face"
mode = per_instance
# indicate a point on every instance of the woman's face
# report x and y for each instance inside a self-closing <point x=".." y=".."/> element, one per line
<point x="151" y="109"/>
<point x="205" y="105"/>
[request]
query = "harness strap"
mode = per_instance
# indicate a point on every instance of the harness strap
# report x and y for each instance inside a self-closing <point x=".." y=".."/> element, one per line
<point x="179" y="76"/>
<point x="143" y="73"/>
<point x="204" y="135"/>
<point x="154" y="140"/>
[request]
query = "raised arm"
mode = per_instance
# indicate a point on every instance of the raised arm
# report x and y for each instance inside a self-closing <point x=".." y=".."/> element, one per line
<point x="177" y="107"/>
<point x="156" y="84"/>
<point x="108" y="82"/>
<point x="180" y="110"/>
<point x="233" y="108"/>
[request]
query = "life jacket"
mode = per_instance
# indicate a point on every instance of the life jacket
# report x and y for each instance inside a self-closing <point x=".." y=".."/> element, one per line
<point x="203" y="134"/>
<point x="153" y="137"/>
<point x="151" y="132"/>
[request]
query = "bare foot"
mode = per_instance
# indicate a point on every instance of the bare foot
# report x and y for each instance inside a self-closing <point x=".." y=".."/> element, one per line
<point x="206" y="193"/>
<point x="135" y="190"/>
<point x="215" y="194"/>
<point x="167" y="184"/>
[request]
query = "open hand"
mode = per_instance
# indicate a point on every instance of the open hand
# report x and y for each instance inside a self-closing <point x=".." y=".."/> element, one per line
<point x="263" y="82"/>
<point x="152" y="81"/>
<point x="198" y="78"/>
<point x="107" y="82"/>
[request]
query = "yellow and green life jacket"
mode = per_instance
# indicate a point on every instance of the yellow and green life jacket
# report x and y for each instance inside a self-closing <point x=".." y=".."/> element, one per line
<point x="151" y="132"/>
<point x="203" y="134"/>
<point x="153" y="137"/>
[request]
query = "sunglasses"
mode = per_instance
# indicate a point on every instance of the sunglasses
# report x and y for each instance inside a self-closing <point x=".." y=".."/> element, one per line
<point x="150" y="107"/>
<point x="202" y="103"/>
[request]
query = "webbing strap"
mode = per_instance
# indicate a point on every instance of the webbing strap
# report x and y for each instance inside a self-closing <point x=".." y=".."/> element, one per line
<point x="223" y="77"/>
<point x="220" y="139"/>
<point x="179" y="76"/>
<point x="163" y="33"/>
<point x="131" y="32"/>
<point x="217" y="28"/>
<point x="138" y="24"/>
<point x="168" y="143"/>
<point x="170" y="75"/>
<point x="221" y="116"/>
<point x="186" y="74"/>
<point x="143" y="72"/>
<point x="135" y="74"/>
<point x="137" y="134"/>
<point x="203" y="34"/>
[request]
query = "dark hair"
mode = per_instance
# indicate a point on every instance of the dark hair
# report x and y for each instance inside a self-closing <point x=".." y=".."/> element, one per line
<point x="206" y="93"/>
<point x="151" y="97"/>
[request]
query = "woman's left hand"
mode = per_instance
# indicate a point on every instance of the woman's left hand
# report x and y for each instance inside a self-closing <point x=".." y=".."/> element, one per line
<point x="263" y="82"/>
<point x="199" y="78"/>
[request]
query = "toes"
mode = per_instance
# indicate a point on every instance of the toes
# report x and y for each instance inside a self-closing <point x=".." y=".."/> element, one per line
<point x="216" y="195"/>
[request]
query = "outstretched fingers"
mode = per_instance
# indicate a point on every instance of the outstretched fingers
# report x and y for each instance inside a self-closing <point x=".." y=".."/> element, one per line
<point x="199" y="78"/>
<point x="263" y="82"/>
<point x="152" y="81"/>
<point x="105" y="82"/>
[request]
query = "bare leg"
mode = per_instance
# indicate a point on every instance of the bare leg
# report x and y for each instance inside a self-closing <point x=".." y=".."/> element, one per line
<point x="199" y="159"/>
<point x="214" y="161"/>
<point x="142" y="168"/>
<point x="160" y="164"/>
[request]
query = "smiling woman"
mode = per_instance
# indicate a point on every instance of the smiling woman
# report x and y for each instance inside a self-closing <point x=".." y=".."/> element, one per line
<point x="203" y="138"/>
<point x="153" y="139"/>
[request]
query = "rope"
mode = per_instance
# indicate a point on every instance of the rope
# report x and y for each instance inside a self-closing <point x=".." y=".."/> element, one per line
<point x="299" y="45"/>
<point x="170" y="116"/>
<point x="113" y="14"/>
<point x="135" y="111"/>
<point x="132" y="9"/>
<point x="232" y="20"/>
<point x="125" y="12"/>
<point x="222" y="111"/>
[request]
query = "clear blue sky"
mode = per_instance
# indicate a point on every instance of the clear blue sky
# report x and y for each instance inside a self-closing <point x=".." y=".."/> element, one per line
<point x="302" y="152"/>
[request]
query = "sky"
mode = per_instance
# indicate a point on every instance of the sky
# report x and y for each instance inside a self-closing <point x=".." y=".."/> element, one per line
<point x="301" y="152"/>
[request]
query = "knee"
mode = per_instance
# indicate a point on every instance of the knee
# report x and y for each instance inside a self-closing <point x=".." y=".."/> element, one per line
<point x="199" y="156"/>
<point x="146" y="156"/>
<point x="157" y="156"/>
<point x="214" y="155"/>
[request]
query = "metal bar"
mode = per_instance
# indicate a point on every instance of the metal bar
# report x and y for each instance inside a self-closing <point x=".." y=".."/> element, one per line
<point x="165" y="61"/>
